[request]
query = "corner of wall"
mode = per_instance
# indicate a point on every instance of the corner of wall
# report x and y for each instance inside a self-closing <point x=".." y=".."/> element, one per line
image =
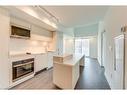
<point x="108" y="80"/>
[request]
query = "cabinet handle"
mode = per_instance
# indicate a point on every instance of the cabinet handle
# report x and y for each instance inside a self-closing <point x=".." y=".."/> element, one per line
<point x="23" y="64"/>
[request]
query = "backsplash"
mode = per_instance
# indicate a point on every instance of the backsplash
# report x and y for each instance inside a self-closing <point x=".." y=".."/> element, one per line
<point x="23" y="46"/>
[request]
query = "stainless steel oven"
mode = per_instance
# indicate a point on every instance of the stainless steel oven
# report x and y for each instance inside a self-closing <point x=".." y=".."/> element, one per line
<point x="22" y="68"/>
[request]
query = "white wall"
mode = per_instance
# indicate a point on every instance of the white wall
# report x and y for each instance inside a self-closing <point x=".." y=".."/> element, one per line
<point x="68" y="41"/>
<point x="93" y="47"/>
<point x="59" y="43"/>
<point x="115" y="18"/>
<point x="68" y="45"/>
<point x="100" y="30"/>
<point x="88" y="30"/>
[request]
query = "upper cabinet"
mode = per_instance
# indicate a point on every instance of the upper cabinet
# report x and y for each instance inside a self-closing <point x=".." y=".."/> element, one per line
<point x="36" y="32"/>
<point x="41" y="34"/>
<point x="40" y="38"/>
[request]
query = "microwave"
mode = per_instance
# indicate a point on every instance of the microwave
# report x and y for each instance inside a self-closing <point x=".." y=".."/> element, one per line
<point x="19" y="32"/>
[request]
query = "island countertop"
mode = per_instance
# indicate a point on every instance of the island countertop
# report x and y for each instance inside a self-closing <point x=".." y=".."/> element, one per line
<point x="72" y="61"/>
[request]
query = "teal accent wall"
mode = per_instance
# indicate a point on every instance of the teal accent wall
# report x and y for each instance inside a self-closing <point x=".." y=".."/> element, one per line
<point x="84" y="31"/>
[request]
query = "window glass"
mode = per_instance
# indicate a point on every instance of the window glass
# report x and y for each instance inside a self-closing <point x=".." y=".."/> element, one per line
<point x="82" y="46"/>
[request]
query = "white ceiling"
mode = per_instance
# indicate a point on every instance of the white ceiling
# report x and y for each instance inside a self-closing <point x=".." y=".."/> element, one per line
<point x="73" y="16"/>
<point x="27" y="14"/>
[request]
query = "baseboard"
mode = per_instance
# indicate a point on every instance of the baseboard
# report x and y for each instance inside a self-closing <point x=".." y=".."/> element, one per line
<point x="49" y="68"/>
<point x="43" y="70"/>
<point x="38" y="72"/>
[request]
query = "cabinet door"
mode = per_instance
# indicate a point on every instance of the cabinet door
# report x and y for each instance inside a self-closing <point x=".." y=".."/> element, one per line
<point x="40" y="34"/>
<point x="40" y="38"/>
<point x="50" y="59"/>
<point x="4" y="42"/>
<point x="40" y="62"/>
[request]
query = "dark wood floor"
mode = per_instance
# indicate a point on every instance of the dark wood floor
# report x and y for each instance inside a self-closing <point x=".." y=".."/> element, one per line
<point x="91" y="77"/>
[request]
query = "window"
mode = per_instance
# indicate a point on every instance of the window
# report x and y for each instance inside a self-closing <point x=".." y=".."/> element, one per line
<point x="82" y="46"/>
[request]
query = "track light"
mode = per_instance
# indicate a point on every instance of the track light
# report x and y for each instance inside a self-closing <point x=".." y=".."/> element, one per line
<point x="48" y="14"/>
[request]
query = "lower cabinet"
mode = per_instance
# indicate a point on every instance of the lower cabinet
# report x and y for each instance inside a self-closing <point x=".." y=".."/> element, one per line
<point x="40" y="62"/>
<point x="43" y="61"/>
<point x="50" y="59"/>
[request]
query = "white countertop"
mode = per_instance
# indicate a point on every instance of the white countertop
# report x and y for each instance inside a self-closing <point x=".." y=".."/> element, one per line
<point x="24" y="54"/>
<point x="73" y="60"/>
<point x="64" y="55"/>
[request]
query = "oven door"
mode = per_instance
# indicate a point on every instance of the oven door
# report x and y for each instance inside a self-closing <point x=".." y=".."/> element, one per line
<point x="21" y="70"/>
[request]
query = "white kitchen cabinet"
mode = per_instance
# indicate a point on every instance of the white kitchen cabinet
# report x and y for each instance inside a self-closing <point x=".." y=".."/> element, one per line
<point x="40" y="34"/>
<point x="40" y="62"/>
<point x="50" y="59"/>
<point x="40" y="38"/>
<point x="4" y="44"/>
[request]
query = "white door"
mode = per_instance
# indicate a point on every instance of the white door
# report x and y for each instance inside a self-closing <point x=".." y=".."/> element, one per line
<point x="119" y="62"/>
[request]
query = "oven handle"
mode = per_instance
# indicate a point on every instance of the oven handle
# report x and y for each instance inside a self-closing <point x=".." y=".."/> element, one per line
<point x="23" y="64"/>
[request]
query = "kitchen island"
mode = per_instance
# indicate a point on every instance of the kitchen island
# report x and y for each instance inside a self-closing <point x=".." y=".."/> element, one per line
<point x="66" y="70"/>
